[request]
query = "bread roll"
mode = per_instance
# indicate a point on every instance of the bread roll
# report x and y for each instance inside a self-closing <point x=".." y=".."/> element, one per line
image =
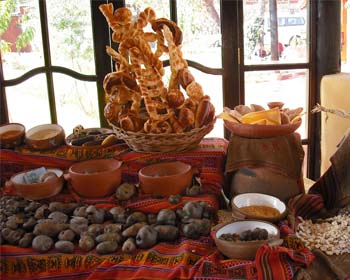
<point x="202" y="112"/>
<point x="186" y="117"/>
<point x="175" y="98"/>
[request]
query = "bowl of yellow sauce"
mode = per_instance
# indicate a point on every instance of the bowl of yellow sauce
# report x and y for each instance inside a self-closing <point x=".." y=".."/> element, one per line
<point x="11" y="135"/>
<point x="258" y="206"/>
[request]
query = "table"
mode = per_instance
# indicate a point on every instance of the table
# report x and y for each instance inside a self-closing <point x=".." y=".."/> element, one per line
<point x="182" y="259"/>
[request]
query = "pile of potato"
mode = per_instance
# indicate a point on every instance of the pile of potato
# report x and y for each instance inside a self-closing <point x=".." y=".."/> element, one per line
<point x="64" y="226"/>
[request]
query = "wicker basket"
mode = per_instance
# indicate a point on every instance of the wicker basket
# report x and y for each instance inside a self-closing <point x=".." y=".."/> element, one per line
<point x="162" y="143"/>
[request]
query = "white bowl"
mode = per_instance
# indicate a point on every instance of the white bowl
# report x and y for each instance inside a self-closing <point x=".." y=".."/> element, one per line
<point x="258" y="199"/>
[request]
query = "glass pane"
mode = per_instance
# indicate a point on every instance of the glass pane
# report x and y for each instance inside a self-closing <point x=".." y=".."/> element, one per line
<point x="199" y="21"/>
<point x="26" y="98"/>
<point x="20" y="37"/>
<point x="289" y="44"/>
<point x="71" y="35"/>
<point x="288" y="86"/>
<point x="161" y="7"/>
<point x="76" y="103"/>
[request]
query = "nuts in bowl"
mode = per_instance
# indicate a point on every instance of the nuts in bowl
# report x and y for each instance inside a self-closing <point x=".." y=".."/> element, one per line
<point x="241" y="239"/>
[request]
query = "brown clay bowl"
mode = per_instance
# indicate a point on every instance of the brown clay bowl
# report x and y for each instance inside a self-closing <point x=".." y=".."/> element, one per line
<point x="166" y="178"/>
<point x="36" y="191"/>
<point x="45" y="137"/>
<point x="261" y="131"/>
<point x="95" y="178"/>
<point x="11" y="135"/>
<point x="257" y="199"/>
<point x="245" y="249"/>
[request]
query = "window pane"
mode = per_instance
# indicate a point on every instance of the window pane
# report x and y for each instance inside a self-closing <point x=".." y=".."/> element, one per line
<point x="287" y="86"/>
<point x="161" y="7"/>
<point x="71" y="35"/>
<point x="25" y="99"/>
<point x="21" y="44"/>
<point x="292" y="32"/>
<point x="76" y="102"/>
<point x="200" y="24"/>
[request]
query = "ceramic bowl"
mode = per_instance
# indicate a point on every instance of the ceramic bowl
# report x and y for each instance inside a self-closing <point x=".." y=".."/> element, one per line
<point x="261" y="131"/>
<point x="37" y="191"/>
<point x="45" y="137"/>
<point x="166" y="178"/>
<point x="11" y="135"/>
<point x="95" y="178"/>
<point x="258" y="199"/>
<point x="245" y="249"/>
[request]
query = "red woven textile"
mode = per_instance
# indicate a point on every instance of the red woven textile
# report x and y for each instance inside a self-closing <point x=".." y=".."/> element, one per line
<point x="183" y="259"/>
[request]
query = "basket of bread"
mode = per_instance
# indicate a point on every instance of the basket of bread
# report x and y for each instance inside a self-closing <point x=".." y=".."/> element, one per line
<point x="148" y="114"/>
<point x="256" y="121"/>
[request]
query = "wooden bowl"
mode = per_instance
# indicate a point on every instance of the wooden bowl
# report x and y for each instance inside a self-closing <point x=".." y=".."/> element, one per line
<point x="11" y="135"/>
<point x="166" y="178"/>
<point x="37" y="191"/>
<point x="261" y="131"/>
<point x="45" y="137"/>
<point x="95" y="178"/>
<point x="258" y="199"/>
<point x="245" y="249"/>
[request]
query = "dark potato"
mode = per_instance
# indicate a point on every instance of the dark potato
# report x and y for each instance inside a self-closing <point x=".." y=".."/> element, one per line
<point x="166" y="217"/>
<point x="86" y="242"/>
<point x="42" y="243"/>
<point x="125" y="191"/>
<point x="67" y="235"/>
<point x="129" y="245"/>
<point x="146" y="237"/>
<point x="107" y="247"/>
<point x="64" y="246"/>
<point x="167" y="232"/>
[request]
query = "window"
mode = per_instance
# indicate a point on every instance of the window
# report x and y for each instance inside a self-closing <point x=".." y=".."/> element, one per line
<point x="232" y="51"/>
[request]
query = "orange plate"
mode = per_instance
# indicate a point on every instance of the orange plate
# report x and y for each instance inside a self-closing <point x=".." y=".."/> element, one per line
<point x="261" y="131"/>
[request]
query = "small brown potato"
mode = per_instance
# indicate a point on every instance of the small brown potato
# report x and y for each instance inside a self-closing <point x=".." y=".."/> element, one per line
<point x="64" y="246"/>
<point x="132" y="230"/>
<point x="174" y="198"/>
<point x="167" y="232"/>
<point x="151" y="218"/>
<point x="166" y="217"/>
<point x="125" y="191"/>
<point x="107" y="247"/>
<point x="78" y="229"/>
<point x="79" y="221"/>
<point x="112" y="236"/>
<point x="191" y="231"/>
<point x="136" y="217"/>
<point x="67" y="235"/>
<point x="96" y="217"/>
<point x="86" y="243"/>
<point x="193" y="209"/>
<point x="49" y="228"/>
<point x="32" y="206"/>
<point x="42" y="212"/>
<point x="146" y="237"/>
<point x="58" y="217"/>
<point x="12" y="236"/>
<point x="80" y="211"/>
<point x="119" y="214"/>
<point x="26" y="240"/>
<point x="42" y="243"/>
<point x="29" y="224"/>
<point x="113" y="228"/>
<point x="66" y="208"/>
<point x="129" y="245"/>
<point x="96" y="229"/>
